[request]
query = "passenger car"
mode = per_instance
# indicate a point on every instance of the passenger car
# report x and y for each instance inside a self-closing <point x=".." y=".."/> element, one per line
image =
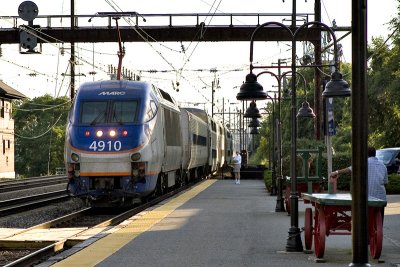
<point x="390" y="157"/>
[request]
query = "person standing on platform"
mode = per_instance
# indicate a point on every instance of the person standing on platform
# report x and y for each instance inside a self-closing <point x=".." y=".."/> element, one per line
<point x="237" y="163"/>
<point x="377" y="176"/>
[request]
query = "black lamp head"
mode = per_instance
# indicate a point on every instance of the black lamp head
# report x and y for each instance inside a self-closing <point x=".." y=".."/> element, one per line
<point x="305" y="111"/>
<point x="254" y="122"/>
<point x="252" y="111"/>
<point x="336" y="87"/>
<point x="251" y="89"/>
<point x="254" y="131"/>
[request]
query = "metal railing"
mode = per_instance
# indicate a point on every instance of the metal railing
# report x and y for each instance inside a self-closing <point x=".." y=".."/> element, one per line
<point x="105" y="19"/>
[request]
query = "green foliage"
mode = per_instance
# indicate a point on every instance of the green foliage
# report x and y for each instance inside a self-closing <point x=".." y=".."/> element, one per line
<point x="393" y="187"/>
<point x="39" y="135"/>
<point x="268" y="179"/>
<point x="383" y="79"/>
<point x="383" y="90"/>
<point x="340" y="161"/>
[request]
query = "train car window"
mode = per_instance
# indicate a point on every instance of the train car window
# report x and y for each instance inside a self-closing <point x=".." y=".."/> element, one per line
<point x="124" y="111"/>
<point x="166" y="96"/>
<point x="214" y="154"/>
<point x="93" y="112"/>
<point x="213" y="126"/>
<point x="199" y="140"/>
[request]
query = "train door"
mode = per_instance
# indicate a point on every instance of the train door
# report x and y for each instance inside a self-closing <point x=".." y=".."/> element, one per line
<point x="173" y="144"/>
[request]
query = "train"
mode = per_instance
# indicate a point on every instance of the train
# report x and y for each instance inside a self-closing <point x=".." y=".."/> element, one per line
<point x="127" y="141"/>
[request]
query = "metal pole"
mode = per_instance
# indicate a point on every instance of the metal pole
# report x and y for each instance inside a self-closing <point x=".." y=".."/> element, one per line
<point x="212" y="98"/>
<point x="359" y="189"/>
<point x="328" y="146"/>
<point x="294" y="240"/>
<point x="317" y="76"/>
<point x="242" y="126"/>
<point x="273" y="189"/>
<point x="72" y="58"/>
<point x="240" y="129"/>
<point x="279" y="198"/>
<point x="223" y="111"/>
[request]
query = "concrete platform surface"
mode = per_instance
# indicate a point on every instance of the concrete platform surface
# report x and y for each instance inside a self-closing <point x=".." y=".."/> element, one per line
<point x="219" y="223"/>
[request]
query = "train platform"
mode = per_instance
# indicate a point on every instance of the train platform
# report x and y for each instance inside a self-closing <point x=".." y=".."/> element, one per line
<point x="219" y="223"/>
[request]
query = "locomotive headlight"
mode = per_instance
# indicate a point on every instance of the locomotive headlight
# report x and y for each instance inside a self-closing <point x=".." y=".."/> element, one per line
<point x="135" y="156"/>
<point x="113" y="133"/>
<point x="99" y="133"/>
<point x="75" y="157"/>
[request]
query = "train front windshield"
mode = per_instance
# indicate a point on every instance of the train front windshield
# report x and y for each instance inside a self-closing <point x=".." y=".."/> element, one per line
<point x="94" y="112"/>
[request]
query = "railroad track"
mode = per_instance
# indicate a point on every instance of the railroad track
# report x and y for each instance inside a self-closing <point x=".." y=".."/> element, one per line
<point x="16" y="205"/>
<point x="45" y="249"/>
<point x="28" y="183"/>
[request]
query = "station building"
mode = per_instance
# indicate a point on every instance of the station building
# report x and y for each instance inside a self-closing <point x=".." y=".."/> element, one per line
<point x="7" y="95"/>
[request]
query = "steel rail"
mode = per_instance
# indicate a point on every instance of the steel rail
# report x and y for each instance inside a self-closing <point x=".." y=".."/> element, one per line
<point x="51" y="249"/>
<point x="31" y="183"/>
<point x="24" y="203"/>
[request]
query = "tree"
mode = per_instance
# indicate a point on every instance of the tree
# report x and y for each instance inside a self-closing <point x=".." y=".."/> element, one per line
<point x="39" y="135"/>
<point x="383" y="89"/>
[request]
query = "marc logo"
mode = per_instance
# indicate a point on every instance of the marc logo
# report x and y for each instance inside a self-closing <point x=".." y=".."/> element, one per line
<point x="112" y="93"/>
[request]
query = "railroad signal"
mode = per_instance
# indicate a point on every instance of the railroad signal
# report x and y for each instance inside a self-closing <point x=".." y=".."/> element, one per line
<point x="28" y="11"/>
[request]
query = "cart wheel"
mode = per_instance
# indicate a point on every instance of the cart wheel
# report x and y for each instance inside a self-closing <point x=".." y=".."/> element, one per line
<point x="375" y="234"/>
<point x="308" y="228"/>
<point x="319" y="233"/>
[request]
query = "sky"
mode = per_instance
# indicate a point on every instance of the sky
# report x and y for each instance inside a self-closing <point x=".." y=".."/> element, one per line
<point x="193" y="69"/>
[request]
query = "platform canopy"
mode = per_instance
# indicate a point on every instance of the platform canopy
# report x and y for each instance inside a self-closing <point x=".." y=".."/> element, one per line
<point x="7" y="91"/>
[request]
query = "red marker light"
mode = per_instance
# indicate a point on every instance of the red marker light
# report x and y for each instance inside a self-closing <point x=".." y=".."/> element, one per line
<point x="87" y="133"/>
<point x="124" y="132"/>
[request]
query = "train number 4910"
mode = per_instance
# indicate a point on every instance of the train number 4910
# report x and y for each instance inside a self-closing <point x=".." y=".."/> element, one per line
<point x="105" y="146"/>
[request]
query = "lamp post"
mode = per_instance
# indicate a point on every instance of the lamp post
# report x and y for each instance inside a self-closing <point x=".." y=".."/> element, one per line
<point x="273" y="182"/>
<point x="359" y="137"/>
<point x="279" y="199"/>
<point x="272" y="154"/>
<point x="252" y="90"/>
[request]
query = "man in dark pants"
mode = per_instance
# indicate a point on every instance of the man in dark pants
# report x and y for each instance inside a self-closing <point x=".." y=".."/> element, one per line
<point x="377" y="176"/>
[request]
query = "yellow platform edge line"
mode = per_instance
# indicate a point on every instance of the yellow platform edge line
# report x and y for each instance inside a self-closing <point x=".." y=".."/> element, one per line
<point x="106" y="246"/>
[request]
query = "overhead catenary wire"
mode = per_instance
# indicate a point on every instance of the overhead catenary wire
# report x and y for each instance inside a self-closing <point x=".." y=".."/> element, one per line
<point x="179" y="73"/>
<point x="48" y="107"/>
<point x="384" y="43"/>
<point x="117" y="9"/>
<point x="40" y="135"/>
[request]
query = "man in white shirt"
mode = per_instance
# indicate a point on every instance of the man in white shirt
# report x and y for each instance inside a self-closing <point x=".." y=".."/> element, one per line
<point x="237" y="163"/>
<point x="377" y="176"/>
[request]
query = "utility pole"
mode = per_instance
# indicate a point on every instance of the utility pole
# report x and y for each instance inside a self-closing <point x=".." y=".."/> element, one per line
<point x="72" y="58"/>
<point x="212" y="98"/>
<point x="214" y="85"/>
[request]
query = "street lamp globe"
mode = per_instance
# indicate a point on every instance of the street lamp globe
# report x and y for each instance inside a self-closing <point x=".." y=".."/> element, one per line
<point x="251" y="89"/>
<point x="252" y="111"/>
<point x="336" y="87"/>
<point x="306" y="111"/>
<point x="254" y="131"/>
<point x="254" y="123"/>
